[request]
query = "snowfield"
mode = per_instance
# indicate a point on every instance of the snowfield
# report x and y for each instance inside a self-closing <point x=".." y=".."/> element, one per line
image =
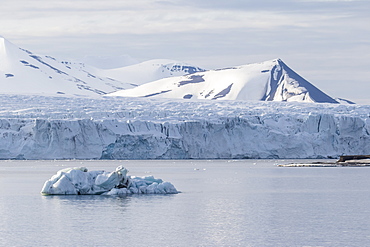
<point x="61" y="127"/>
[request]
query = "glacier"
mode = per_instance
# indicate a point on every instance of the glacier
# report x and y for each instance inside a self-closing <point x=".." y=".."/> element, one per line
<point x="61" y="127"/>
<point x="80" y="181"/>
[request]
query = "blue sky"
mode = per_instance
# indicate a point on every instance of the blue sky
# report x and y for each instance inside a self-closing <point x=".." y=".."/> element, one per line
<point x="326" y="41"/>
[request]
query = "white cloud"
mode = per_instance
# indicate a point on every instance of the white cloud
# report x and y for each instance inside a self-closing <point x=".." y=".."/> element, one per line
<point x="59" y="18"/>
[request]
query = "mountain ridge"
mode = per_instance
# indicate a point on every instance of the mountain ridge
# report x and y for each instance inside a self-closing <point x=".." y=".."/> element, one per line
<point x="22" y="71"/>
<point x="154" y="69"/>
<point x="271" y="80"/>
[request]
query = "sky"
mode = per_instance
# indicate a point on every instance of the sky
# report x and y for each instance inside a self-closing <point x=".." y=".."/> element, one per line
<point x="325" y="41"/>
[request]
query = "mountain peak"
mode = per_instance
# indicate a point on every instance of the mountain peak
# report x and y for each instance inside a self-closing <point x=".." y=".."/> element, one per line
<point x="6" y="46"/>
<point x="5" y="50"/>
<point x="292" y="84"/>
<point x="2" y="43"/>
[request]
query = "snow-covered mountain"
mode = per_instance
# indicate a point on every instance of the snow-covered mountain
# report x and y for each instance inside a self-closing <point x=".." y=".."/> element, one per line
<point x="22" y="71"/>
<point x="268" y="81"/>
<point x="151" y="70"/>
<point x="61" y="127"/>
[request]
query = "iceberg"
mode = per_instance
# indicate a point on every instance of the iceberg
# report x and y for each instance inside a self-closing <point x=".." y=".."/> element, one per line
<point x="80" y="181"/>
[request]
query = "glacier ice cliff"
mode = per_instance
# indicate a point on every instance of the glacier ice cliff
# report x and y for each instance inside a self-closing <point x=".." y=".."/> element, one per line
<point x="40" y="127"/>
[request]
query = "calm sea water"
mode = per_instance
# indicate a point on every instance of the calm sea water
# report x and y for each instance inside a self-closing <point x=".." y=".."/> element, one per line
<point x="223" y="203"/>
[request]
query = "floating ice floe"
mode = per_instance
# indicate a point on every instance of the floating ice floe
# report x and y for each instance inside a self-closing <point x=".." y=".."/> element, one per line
<point x="344" y="161"/>
<point x="80" y="181"/>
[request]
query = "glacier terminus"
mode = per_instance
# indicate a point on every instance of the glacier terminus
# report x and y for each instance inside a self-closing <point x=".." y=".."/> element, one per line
<point x="61" y="127"/>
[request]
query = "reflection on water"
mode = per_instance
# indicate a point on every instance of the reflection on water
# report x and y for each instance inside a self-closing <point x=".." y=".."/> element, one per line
<point x="223" y="203"/>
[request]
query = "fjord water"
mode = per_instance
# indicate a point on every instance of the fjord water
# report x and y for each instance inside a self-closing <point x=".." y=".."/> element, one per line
<point x="223" y="203"/>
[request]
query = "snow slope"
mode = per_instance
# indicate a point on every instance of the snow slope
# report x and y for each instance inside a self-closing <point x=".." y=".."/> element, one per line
<point x="268" y="81"/>
<point x="40" y="127"/>
<point x="21" y="71"/>
<point x="151" y="70"/>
